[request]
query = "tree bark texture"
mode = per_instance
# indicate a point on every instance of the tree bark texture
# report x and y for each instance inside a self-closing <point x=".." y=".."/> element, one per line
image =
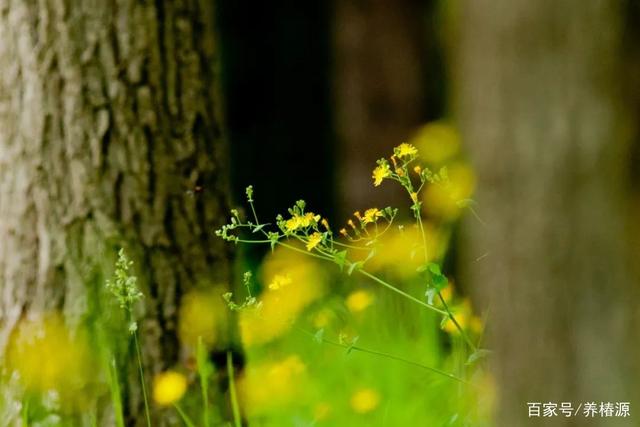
<point x="540" y="102"/>
<point x="109" y="136"/>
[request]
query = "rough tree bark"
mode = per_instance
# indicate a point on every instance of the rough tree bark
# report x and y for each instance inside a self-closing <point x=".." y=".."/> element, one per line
<point x="540" y="103"/>
<point x="109" y="136"/>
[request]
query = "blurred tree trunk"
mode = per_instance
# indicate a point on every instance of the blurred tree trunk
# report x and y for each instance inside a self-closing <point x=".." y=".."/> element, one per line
<point x="540" y="101"/>
<point x="109" y="136"/>
<point x="382" y="93"/>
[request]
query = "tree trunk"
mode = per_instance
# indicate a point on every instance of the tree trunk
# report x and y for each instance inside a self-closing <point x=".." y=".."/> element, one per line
<point x="540" y="109"/>
<point x="109" y="137"/>
<point x="379" y="90"/>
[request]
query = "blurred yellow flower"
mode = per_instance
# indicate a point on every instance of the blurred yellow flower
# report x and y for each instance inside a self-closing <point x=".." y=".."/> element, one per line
<point x="379" y="173"/>
<point x="365" y="400"/>
<point x="446" y="200"/>
<point x="48" y="356"/>
<point x="359" y="300"/>
<point x="306" y="282"/>
<point x="406" y="150"/>
<point x="314" y="240"/>
<point x="266" y="385"/>
<point x="169" y="387"/>
<point x="371" y="215"/>
<point x="401" y="251"/>
<point x="202" y="314"/>
<point x="463" y="314"/>
<point x="438" y="142"/>
<point x="279" y="281"/>
<point x="322" y="318"/>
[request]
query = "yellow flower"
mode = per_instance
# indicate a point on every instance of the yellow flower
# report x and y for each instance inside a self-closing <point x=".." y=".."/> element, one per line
<point x="365" y="400"/>
<point x="406" y="150"/>
<point x="438" y="142"/>
<point x="293" y="223"/>
<point x="169" y="387"/>
<point x="203" y="314"/>
<point x="300" y="221"/>
<point x="314" y="240"/>
<point x="371" y="215"/>
<point x="274" y="384"/>
<point x="47" y="356"/>
<point x="379" y="173"/>
<point x="359" y="300"/>
<point x="278" y="311"/>
<point x="279" y="281"/>
<point x="309" y="219"/>
<point x="447" y="200"/>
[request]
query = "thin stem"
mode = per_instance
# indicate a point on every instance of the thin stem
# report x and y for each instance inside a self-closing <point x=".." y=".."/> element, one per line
<point x="389" y="356"/>
<point x="442" y="300"/>
<point x="203" y="371"/>
<point x="232" y="391"/>
<point x="144" y="388"/>
<point x="455" y="322"/>
<point x="401" y="292"/>
<point x="185" y="418"/>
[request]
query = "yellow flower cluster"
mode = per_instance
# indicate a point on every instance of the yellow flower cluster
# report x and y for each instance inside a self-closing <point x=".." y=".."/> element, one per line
<point x="297" y="222"/>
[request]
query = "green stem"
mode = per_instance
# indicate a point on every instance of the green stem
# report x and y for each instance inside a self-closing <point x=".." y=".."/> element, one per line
<point x="203" y="371"/>
<point x="232" y="392"/>
<point x="444" y="303"/>
<point x="185" y="418"/>
<point x="142" y="383"/>
<point x="392" y="357"/>
<point x="401" y="292"/>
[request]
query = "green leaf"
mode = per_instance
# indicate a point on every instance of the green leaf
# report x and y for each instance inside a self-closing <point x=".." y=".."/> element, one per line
<point x="354" y="266"/>
<point x="340" y="258"/>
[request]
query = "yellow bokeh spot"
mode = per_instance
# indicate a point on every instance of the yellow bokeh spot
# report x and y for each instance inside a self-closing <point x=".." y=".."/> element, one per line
<point x="365" y="400"/>
<point x="463" y="314"/>
<point x="169" y="387"/>
<point x="401" y="251"/>
<point x="282" y="305"/>
<point x="446" y="200"/>
<point x="202" y="314"/>
<point x="48" y="356"/>
<point x="273" y="384"/>
<point x="359" y="300"/>
<point x="437" y="142"/>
